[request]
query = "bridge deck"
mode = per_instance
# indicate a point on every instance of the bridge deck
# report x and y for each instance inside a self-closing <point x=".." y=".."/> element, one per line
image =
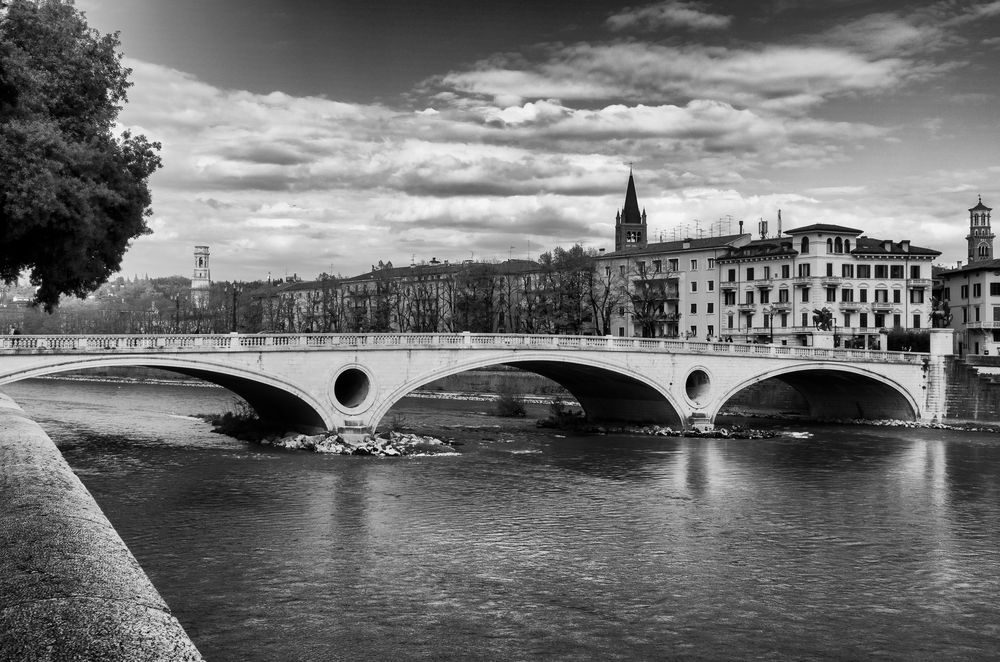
<point x="234" y="342"/>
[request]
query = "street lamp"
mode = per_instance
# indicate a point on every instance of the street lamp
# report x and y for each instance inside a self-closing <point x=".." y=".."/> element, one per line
<point x="770" y="324"/>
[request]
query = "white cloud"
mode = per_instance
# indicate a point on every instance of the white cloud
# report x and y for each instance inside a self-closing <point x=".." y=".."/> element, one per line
<point x="670" y="14"/>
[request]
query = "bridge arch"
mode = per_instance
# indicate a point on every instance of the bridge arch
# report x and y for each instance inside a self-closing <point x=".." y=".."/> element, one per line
<point x="274" y="400"/>
<point x="605" y="391"/>
<point x="834" y="390"/>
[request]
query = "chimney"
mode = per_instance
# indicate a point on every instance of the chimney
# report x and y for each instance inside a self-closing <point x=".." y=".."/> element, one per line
<point x="905" y="245"/>
<point x="741" y="227"/>
<point x="686" y="243"/>
<point x="887" y="245"/>
<point x="959" y="265"/>
<point x="600" y="250"/>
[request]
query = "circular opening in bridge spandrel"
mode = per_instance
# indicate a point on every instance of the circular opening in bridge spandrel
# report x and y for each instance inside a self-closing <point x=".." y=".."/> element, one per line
<point x="697" y="386"/>
<point x="351" y="388"/>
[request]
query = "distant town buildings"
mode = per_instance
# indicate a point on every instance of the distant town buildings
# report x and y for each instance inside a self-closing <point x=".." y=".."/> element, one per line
<point x="789" y="287"/>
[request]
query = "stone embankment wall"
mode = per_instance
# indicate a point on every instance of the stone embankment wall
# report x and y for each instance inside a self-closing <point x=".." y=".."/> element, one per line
<point x="69" y="587"/>
<point x="973" y="391"/>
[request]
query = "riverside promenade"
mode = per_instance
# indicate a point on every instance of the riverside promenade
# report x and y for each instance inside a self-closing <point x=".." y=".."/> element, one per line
<point x="69" y="587"/>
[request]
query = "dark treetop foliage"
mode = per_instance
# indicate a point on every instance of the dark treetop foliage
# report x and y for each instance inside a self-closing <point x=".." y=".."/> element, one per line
<point x="72" y="194"/>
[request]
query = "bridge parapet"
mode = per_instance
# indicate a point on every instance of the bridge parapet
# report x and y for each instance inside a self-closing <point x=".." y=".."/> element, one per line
<point x="233" y="342"/>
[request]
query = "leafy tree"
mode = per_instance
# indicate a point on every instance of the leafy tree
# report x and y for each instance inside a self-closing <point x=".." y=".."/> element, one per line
<point x="72" y="194"/>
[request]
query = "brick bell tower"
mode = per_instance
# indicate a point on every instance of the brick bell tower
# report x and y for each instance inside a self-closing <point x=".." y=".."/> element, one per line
<point x="630" y="224"/>
<point x="980" y="234"/>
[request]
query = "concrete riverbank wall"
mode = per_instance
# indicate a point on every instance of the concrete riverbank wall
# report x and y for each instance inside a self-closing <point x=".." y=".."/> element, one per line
<point x="69" y="587"/>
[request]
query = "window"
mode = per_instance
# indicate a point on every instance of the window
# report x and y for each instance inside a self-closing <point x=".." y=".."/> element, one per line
<point x="711" y="264"/>
<point x="847" y="270"/>
<point x="694" y="309"/>
<point x="672" y="265"/>
<point x="731" y="275"/>
<point x="976" y="309"/>
<point x="829" y="268"/>
<point x="847" y="319"/>
<point x="805" y="295"/>
<point x="621" y="269"/>
<point x="730" y="320"/>
<point x="694" y="286"/>
<point x="847" y="295"/>
<point x="916" y="321"/>
<point x="915" y="271"/>
<point x="641" y="266"/>
<point x="896" y="271"/>
<point x="881" y="271"/>
<point x="750" y="273"/>
<point x="916" y="296"/>
<point x="607" y="272"/>
<point x="621" y="311"/>
<point x="879" y="320"/>
<point x="994" y="290"/>
<point x="965" y="314"/>
<point x="947" y="293"/>
<point x="749" y="298"/>
<point x="864" y="271"/>
<point x="804" y="245"/>
<point x="657" y="266"/>
<point x="803" y="271"/>
<point x="783" y="295"/>
<point x="711" y="307"/>
<point x="897" y="320"/>
<point x="711" y="330"/>
<point x="694" y="330"/>
<point x="730" y="298"/>
<point x="838" y="245"/>
<point x="749" y="320"/>
<point x="896" y="296"/>
<point x="767" y="272"/>
<point x="977" y="289"/>
<point x="805" y="319"/>
<point x="847" y="245"/>
<point x="996" y="314"/>
<point x="694" y="265"/>
<point x="829" y="245"/>
<point x="831" y="294"/>
<point x="711" y="286"/>
<point x="786" y="271"/>
<point x="863" y="321"/>
<point x="765" y="296"/>
<point x="882" y="296"/>
<point x="784" y="319"/>
<point x="963" y="292"/>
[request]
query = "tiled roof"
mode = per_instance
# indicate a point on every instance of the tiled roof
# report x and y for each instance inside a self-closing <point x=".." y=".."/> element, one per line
<point x="678" y="246"/>
<point x="981" y="206"/>
<point x="869" y="246"/>
<point x="761" y="248"/>
<point x="984" y="265"/>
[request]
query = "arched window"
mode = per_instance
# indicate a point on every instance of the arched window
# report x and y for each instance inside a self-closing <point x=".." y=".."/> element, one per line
<point x="805" y="245"/>
<point x="847" y="245"/>
<point x="829" y="245"/>
<point x="838" y="245"/>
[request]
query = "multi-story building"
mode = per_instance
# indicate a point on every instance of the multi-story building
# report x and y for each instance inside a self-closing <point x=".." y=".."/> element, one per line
<point x="770" y="289"/>
<point x="972" y="291"/>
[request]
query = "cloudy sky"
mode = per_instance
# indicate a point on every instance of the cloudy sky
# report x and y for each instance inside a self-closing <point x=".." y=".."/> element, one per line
<point x="302" y="136"/>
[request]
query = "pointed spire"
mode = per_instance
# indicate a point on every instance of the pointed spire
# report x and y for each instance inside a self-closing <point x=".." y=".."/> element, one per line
<point x="630" y="213"/>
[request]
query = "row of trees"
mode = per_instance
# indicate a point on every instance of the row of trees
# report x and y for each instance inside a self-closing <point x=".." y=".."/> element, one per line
<point x="565" y="292"/>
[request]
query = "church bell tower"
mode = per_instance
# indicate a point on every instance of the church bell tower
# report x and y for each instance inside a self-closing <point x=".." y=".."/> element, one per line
<point x="630" y="223"/>
<point x="201" y="281"/>
<point x="980" y="234"/>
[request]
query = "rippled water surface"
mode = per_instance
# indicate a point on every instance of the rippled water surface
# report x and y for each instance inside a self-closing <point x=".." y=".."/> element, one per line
<point x="856" y="543"/>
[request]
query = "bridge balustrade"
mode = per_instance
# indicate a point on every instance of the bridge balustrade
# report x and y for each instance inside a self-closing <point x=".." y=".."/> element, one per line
<point x="280" y="342"/>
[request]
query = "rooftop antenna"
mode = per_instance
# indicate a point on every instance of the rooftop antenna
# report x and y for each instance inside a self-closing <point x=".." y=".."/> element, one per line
<point x="762" y="226"/>
<point x="779" y="222"/>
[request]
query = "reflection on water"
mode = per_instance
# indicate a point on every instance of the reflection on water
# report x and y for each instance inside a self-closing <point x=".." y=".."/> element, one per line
<point x="857" y="543"/>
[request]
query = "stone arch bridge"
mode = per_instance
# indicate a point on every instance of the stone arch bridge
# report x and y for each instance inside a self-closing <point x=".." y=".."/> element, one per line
<point x="348" y="382"/>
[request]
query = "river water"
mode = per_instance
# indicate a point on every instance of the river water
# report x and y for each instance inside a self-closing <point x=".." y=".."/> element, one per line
<point x="853" y="544"/>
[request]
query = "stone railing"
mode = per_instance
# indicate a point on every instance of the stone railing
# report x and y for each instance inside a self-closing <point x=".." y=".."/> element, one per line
<point x="233" y="342"/>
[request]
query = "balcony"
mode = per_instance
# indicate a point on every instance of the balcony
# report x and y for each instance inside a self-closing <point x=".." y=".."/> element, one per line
<point x="780" y="306"/>
<point x="881" y="305"/>
<point x="983" y="325"/>
<point x="802" y="281"/>
<point x="746" y="307"/>
<point x="728" y="285"/>
<point x="763" y="283"/>
<point x="831" y="280"/>
<point x="919" y="283"/>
